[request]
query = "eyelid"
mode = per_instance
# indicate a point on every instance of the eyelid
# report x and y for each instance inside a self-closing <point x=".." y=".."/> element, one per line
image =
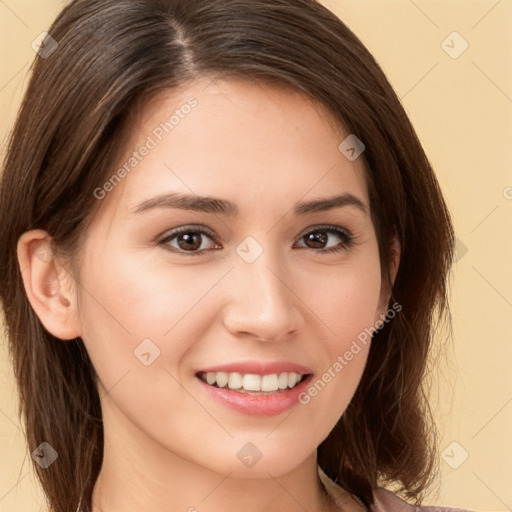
<point x="189" y="227"/>
<point x="326" y="227"/>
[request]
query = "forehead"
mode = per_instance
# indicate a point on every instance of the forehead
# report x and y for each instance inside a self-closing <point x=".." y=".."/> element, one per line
<point x="250" y="143"/>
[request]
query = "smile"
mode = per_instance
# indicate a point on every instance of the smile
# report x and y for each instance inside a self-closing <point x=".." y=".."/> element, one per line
<point x="252" y="383"/>
<point x="255" y="388"/>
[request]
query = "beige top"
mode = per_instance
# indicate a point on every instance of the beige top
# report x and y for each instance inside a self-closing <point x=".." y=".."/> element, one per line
<point x="385" y="500"/>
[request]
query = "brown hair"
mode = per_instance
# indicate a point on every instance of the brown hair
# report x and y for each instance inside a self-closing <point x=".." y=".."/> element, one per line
<point x="111" y="54"/>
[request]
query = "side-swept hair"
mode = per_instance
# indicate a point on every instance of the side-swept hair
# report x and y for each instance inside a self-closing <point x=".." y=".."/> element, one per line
<point x="113" y="53"/>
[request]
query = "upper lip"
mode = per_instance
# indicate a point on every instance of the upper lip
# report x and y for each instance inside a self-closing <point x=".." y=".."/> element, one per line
<point x="259" y="368"/>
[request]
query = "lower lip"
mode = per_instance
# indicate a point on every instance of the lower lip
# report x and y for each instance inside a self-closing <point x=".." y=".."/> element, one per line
<point x="257" y="405"/>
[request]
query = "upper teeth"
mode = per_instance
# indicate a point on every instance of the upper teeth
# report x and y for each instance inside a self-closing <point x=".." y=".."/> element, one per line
<point x="253" y="382"/>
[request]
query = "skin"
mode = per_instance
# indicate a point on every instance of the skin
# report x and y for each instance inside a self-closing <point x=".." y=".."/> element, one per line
<point x="169" y="446"/>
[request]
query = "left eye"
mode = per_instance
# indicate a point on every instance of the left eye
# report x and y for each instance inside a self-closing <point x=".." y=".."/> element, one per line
<point x="321" y="234"/>
<point x="189" y="240"/>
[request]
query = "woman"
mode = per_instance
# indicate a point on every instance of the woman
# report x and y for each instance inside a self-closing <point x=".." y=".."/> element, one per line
<point x="218" y="272"/>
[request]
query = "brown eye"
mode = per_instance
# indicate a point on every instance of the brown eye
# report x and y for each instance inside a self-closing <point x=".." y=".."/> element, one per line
<point x="189" y="241"/>
<point x="318" y="238"/>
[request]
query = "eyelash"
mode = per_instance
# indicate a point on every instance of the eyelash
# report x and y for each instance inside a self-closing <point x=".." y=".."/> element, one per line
<point x="348" y="239"/>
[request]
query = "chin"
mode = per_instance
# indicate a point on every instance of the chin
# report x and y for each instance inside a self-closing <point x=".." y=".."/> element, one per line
<point x="261" y="460"/>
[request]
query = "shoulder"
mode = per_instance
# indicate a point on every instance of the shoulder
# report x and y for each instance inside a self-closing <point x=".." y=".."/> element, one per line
<point x="387" y="501"/>
<point x="384" y="500"/>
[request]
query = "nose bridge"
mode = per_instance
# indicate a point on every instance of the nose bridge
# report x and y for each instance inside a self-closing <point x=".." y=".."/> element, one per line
<point x="262" y="303"/>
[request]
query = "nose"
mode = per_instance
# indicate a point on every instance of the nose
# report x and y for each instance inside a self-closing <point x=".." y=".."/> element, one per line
<point x="262" y="304"/>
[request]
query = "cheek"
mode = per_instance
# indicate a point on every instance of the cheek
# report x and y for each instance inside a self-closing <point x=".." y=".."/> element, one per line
<point x="346" y="300"/>
<point x="138" y="297"/>
<point x="346" y="303"/>
<point x="130" y="300"/>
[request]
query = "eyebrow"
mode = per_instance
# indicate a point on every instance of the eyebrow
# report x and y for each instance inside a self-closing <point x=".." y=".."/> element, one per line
<point x="227" y="208"/>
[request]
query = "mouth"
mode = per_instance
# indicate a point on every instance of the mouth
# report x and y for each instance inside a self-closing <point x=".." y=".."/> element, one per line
<point x="255" y="389"/>
<point x="253" y="384"/>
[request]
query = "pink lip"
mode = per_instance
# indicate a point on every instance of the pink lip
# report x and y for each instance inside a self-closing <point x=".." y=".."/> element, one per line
<point x="259" y="368"/>
<point x="252" y="404"/>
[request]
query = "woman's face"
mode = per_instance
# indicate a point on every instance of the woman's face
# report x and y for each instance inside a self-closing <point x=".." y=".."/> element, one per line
<point x="270" y="279"/>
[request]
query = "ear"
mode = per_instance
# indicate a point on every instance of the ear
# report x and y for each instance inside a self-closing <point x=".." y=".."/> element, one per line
<point x="49" y="286"/>
<point x="396" y="249"/>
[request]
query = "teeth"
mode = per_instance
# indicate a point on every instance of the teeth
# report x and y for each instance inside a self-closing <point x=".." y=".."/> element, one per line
<point x="252" y="382"/>
<point x="234" y="380"/>
<point x="270" y="382"/>
<point x="282" y="381"/>
<point x="221" y="378"/>
<point x="292" y="379"/>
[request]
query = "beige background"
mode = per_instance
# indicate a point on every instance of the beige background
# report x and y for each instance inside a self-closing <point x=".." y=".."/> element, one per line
<point x="462" y="110"/>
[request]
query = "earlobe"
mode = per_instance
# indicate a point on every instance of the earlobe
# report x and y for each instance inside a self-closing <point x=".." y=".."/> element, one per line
<point x="48" y="285"/>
